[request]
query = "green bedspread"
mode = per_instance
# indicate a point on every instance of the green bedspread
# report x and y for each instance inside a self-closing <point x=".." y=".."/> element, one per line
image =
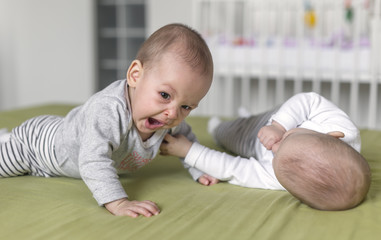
<point x="63" y="208"/>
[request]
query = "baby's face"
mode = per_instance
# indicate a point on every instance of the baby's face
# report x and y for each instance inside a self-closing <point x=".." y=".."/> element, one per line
<point x="165" y="94"/>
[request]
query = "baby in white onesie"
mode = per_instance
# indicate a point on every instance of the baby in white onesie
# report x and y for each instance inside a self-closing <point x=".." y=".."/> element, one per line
<point x="307" y="146"/>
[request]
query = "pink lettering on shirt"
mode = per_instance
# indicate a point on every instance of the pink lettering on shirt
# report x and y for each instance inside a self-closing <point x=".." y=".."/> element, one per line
<point x="133" y="162"/>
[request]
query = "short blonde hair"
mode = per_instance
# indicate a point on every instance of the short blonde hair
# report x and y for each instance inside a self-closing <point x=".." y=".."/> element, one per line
<point x="182" y="40"/>
<point x="325" y="173"/>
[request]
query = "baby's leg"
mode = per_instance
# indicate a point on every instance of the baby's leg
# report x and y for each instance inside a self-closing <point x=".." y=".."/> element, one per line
<point x="4" y="135"/>
<point x="11" y="160"/>
<point x="239" y="136"/>
<point x="30" y="149"/>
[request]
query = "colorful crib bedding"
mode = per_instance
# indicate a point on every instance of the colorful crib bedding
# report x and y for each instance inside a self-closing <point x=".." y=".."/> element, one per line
<point x="63" y="208"/>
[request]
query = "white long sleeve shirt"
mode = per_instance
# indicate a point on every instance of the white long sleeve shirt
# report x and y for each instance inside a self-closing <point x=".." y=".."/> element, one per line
<point x="304" y="110"/>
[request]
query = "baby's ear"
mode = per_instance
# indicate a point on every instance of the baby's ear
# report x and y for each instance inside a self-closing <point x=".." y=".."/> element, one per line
<point x="336" y="134"/>
<point x="134" y="72"/>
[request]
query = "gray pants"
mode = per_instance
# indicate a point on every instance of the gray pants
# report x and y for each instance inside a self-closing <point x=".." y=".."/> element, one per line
<point x="239" y="135"/>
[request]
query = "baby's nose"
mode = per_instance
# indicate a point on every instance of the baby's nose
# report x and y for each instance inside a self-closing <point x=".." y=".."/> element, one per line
<point x="172" y="113"/>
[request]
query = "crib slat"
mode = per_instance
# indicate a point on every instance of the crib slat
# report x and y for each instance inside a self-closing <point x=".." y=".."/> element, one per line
<point x="375" y="67"/>
<point x="245" y="92"/>
<point x="300" y="31"/>
<point x="263" y="37"/>
<point x="316" y="33"/>
<point x="247" y="34"/>
<point x="372" y="113"/>
<point x="354" y="77"/>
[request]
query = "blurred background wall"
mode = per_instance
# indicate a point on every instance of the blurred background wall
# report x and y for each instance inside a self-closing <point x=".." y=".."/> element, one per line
<point x="47" y="52"/>
<point x="50" y="52"/>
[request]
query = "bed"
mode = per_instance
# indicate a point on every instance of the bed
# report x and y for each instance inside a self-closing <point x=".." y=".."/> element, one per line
<point x="63" y="208"/>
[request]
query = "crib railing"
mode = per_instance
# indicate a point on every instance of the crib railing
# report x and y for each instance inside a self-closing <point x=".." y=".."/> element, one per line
<point x="265" y="51"/>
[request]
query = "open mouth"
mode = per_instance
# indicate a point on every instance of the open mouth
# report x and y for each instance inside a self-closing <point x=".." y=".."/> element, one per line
<point x="153" y="123"/>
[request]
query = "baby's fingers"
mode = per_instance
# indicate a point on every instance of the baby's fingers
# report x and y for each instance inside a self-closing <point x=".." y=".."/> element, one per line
<point x="146" y="208"/>
<point x="168" y="138"/>
<point x="204" y="181"/>
<point x="269" y="144"/>
<point x="133" y="208"/>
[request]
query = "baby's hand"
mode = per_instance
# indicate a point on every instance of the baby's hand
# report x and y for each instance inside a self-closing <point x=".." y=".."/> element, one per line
<point x="177" y="145"/>
<point x="124" y="207"/>
<point x="271" y="134"/>
<point x="207" y="180"/>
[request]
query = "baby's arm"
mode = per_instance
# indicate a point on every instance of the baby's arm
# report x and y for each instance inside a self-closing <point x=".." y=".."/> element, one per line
<point x="102" y="179"/>
<point x="179" y="146"/>
<point x="109" y="188"/>
<point x="312" y="111"/>
<point x="96" y="167"/>
<point x="124" y="207"/>
<point x="271" y="134"/>
<point x="219" y="165"/>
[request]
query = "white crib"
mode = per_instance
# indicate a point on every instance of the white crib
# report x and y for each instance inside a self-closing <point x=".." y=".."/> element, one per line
<point x="265" y="51"/>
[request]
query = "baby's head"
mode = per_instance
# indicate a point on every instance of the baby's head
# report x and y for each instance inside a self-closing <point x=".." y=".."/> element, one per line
<point x="321" y="170"/>
<point x="172" y="72"/>
<point x="186" y="44"/>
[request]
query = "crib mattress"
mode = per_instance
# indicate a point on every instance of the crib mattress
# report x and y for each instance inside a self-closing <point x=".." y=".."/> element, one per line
<point x="63" y="208"/>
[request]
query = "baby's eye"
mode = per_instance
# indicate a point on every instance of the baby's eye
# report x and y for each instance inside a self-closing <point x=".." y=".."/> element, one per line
<point x="186" y="107"/>
<point x="164" y="95"/>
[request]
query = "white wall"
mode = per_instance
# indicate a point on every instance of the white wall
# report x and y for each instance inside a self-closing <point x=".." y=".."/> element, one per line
<point x="47" y="52"/>
<point x="160" y="13"/>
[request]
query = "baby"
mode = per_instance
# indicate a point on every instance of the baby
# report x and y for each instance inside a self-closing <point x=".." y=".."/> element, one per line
<point x="307" y="146"/>
<point x="120" y="128"/>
